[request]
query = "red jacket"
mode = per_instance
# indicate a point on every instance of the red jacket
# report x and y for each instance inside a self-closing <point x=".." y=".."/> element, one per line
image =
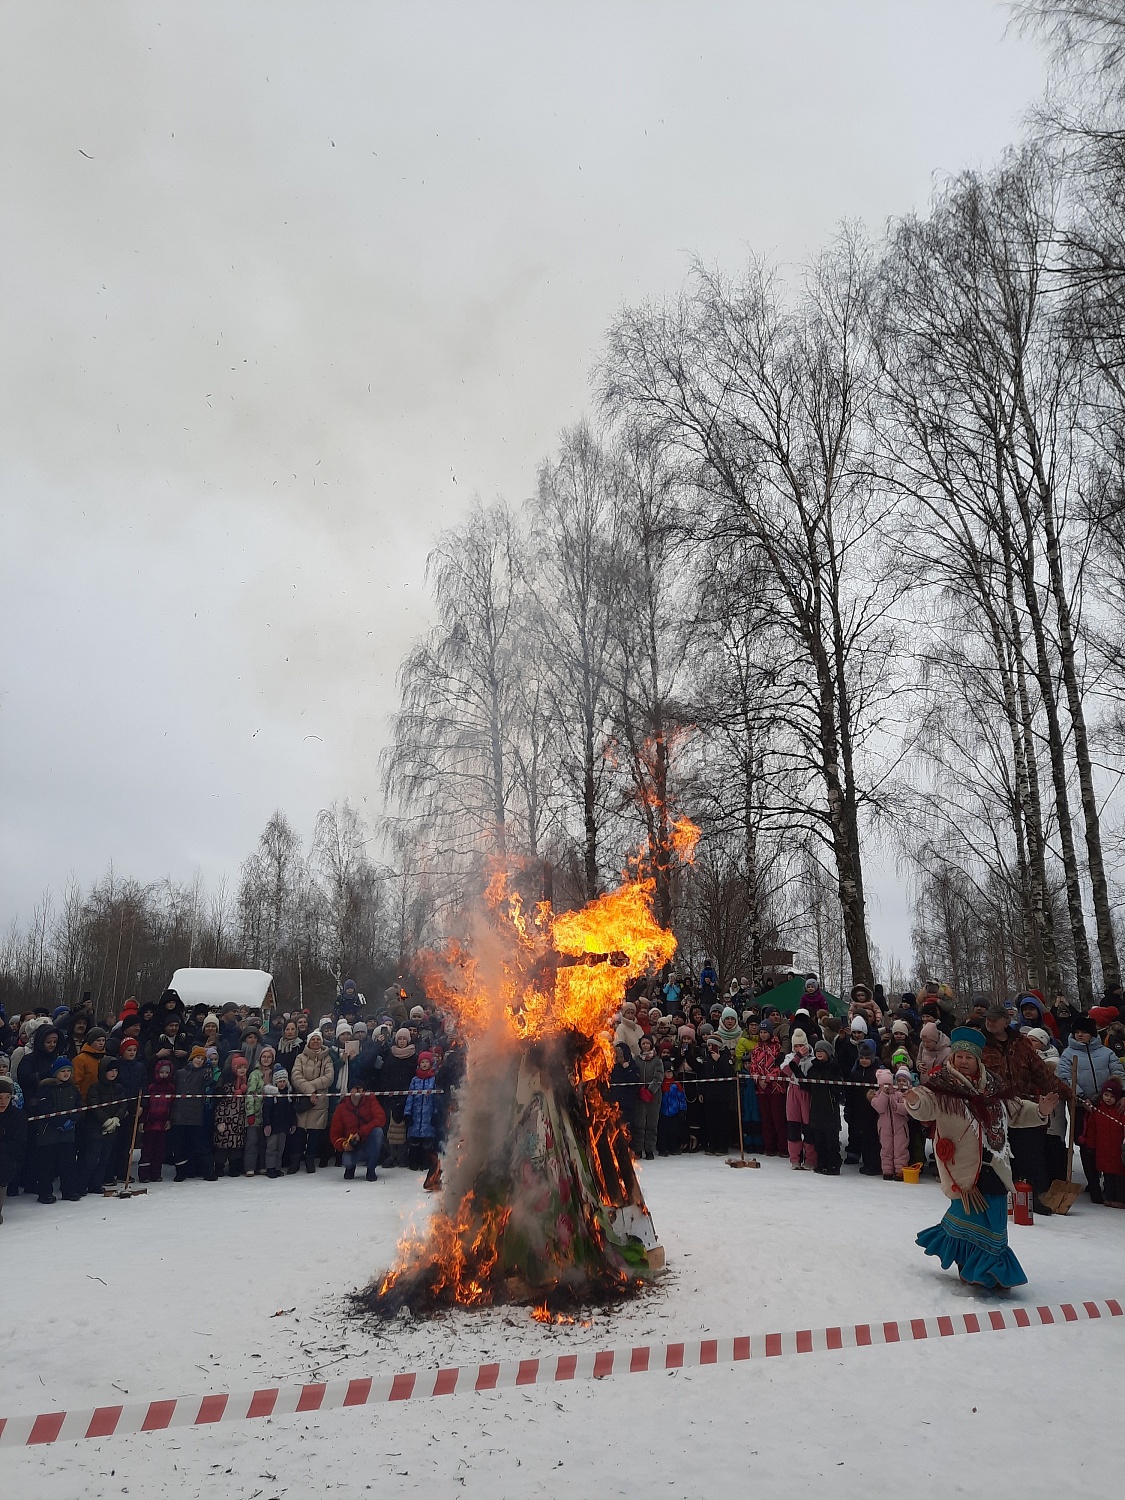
<point x="1103" y="1133"/>
<point x="349" y="1121"/>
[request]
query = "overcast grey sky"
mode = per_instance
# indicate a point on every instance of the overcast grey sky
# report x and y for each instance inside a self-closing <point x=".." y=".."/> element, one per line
<point x="285" y="285"/>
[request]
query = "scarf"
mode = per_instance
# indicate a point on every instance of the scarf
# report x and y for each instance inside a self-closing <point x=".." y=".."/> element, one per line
<point x="981" y="1104"/>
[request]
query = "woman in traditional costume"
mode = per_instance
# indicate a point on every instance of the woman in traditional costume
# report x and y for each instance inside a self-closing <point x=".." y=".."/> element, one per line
<point x="971" y="1118"/>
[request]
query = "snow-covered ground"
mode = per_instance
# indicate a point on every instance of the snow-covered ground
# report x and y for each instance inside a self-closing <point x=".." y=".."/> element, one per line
<point x="222" y="1286"/>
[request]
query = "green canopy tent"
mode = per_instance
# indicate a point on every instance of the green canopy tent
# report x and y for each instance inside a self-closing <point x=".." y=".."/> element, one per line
<point x="787" y="997"/>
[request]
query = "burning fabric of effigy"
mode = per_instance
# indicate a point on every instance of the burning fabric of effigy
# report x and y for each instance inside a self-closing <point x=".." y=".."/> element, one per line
<point x="539" y="1201"/>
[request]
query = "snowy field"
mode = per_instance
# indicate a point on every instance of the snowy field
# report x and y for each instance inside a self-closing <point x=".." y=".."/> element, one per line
<point x="222" y="1286"/>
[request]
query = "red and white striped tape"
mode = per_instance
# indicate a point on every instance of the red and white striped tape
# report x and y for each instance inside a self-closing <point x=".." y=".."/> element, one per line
<point x="278" y="1401"/>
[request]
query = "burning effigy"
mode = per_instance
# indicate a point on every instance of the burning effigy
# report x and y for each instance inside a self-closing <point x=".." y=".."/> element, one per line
<point x="539" y="1200"/>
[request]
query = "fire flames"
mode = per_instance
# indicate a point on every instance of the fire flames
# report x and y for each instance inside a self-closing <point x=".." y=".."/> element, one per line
<point x="542" y="1162"/>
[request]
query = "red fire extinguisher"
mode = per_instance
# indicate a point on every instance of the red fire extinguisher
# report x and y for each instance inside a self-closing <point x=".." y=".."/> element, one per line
<point x="1025" y="1212"/>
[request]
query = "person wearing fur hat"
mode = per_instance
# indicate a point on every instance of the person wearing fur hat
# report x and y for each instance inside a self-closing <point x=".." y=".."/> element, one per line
<point x="795" y="1068"/>
<point x="357" y="1131"/>
<point x="419" y="1111"/>
<point x="770" y="1086"/>
<point x="56" y="1148"/>
<point x="889" y="1105"/>
<point x="311" y="1076"/>
<point x="13" y="1139"/>
<point x="862" y="1121"/>
<point x="971" y="1116"/>
<point x="824" y="1108"/>
<point x="1103" y="1136"/>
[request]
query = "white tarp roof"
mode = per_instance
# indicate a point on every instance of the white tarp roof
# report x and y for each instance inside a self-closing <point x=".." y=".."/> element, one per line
<point x="217" y="987"/>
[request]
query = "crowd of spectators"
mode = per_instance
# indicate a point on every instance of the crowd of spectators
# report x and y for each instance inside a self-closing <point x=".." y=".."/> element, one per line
<point x="163" y="1090"/>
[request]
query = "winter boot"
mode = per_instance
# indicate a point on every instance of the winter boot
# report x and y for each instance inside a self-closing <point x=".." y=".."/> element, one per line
<point x="349" y="1173"/>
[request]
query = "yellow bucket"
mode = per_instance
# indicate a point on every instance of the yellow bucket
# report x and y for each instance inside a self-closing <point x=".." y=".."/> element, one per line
<point x="911" y="1174"/>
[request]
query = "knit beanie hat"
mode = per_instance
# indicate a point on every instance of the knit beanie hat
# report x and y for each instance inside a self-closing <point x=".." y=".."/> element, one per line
<point x="7" y="1086"/>
<point x="798" y="1038"/>
<point x="1037" y="1034"/>
<point x="729" y="1014"/>
<point x="128" y="1041"/>
<point x="417" y="1013"/>
<point x="61" y="1063"/>
<point x="859" y="1025"/>
<point x="823" y="1048"/>
<point x="210" y="1019"/>
<point x="867" y="1048"/>
<point x="904" y="1073"/>
<point x="899" y="1058"/>
<point x="883" y="1075"/>
<point x="280" y="1075"/>
<point x="900" y="1028"/>
<point x="198" y="1052"/>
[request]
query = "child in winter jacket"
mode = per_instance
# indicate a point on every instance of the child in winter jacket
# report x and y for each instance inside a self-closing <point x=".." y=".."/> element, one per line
<point x="824" y="1109"/>
<point x="889" y="1104"/>
<point x="797" y="1129"/>
<point x="56" y="1153"/>
<point x="419" y="1112"/>
<point x="671" y="1130"/>
<point x="158" y="1121"/>
<point x="279" y="1122"/>
<point x="230" y="1116"/>
<point x="1103" y="1136"/>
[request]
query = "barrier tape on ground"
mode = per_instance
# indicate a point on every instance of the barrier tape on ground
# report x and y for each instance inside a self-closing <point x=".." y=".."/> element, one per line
<point x="507" y="1374"/>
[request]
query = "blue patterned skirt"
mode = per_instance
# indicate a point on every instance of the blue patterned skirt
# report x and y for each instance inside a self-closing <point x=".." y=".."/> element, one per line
<point x="978" y="1241"/>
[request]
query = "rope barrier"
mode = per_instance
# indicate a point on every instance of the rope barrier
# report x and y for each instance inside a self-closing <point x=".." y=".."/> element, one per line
<point x="507" y="1374"/>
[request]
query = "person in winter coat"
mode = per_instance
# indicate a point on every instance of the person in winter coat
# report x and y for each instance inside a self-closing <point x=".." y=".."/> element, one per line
<point x="1096" y="1065"/>
<point x="87" y="1059"/>
<point x="159" y="1099"/>
<point x="671" y="1131"/>
<point x="646" y="1118"/>
<point x="289" y="1047"/>
<point x="419" y="1112"/>
<point x="230" y="1117"/>
<point x="629" y="1030"/>
<point x="1103" y="1135"/>
<point x="813" y="998"/>
<point x="971" y="1118"/>
<point x="357" y="1131"/>
<point x="398" y="1069"/>
<point x="1032" y="1012"/>
<point x="717" y="1080"/>
<point x="728" y="1030"/>
<point x="933" y="1049"/>
<point x="56" y="1107"/>
<point x="279" y="1123"/>
<point x="311" y="1077"/>
<point x="253" y="1144"/>
<point x="37" y="1062"/>
<point x="191" y="1138"/>
<point x="900" y="1039"/>
<point x="624" y="1084"/>
<point x="131" y="1079"/>
<point x="13" y="1138"/>
<point x="1018" y="1071"/>
<point x="770" y="1085"/>
<point x="889" y="1104"/>
<point x="824" y="1108"/>
<point x="795" y="1068"/>
<point x="863" y="1122"/>
<point x="99" y="1126"/>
